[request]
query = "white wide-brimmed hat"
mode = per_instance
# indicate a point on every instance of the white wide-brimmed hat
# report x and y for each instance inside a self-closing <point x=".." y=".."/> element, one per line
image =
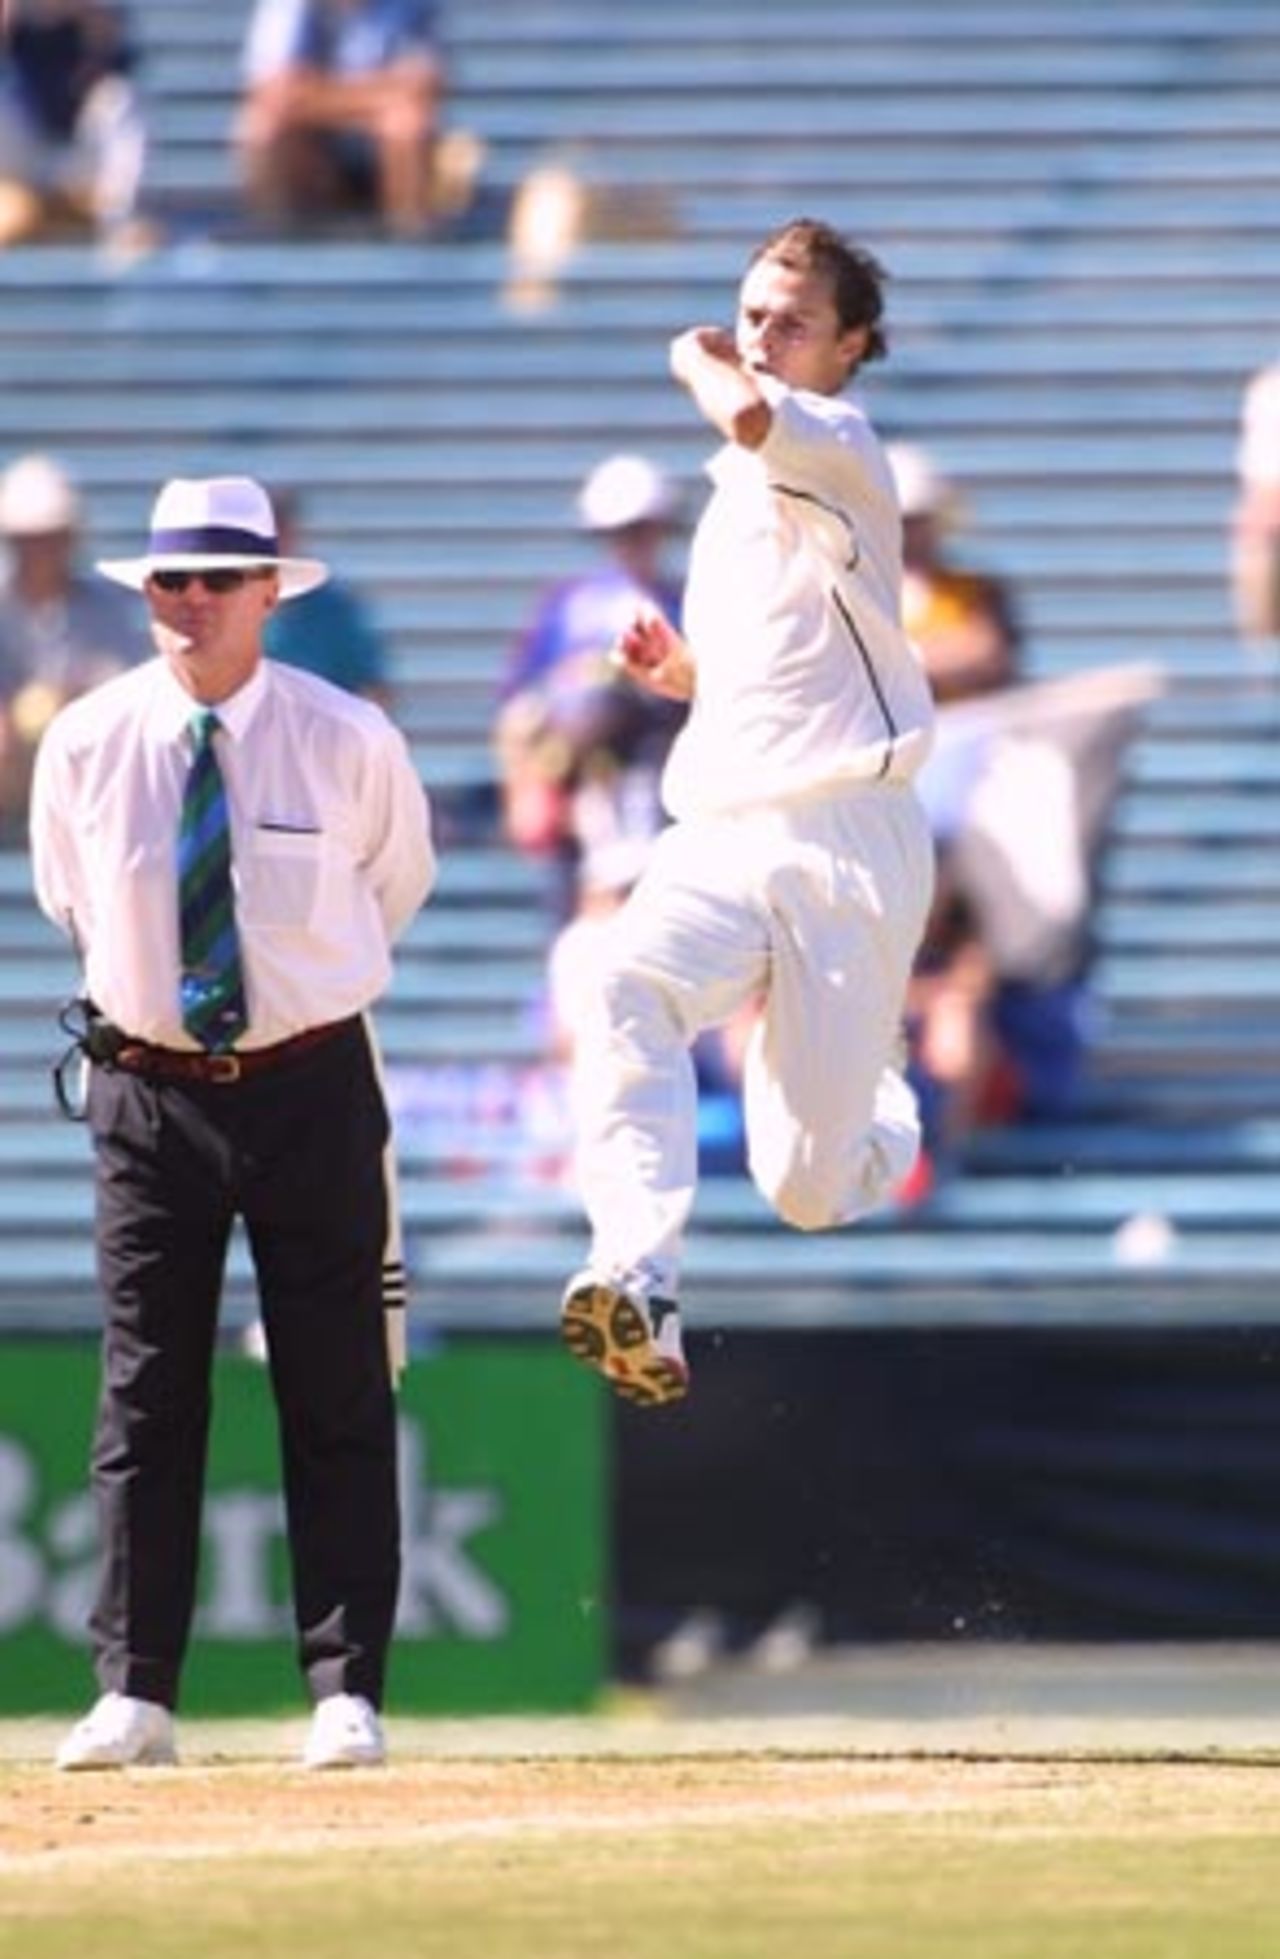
<point x="625" y="490"/>
<point x="213" y="523"/>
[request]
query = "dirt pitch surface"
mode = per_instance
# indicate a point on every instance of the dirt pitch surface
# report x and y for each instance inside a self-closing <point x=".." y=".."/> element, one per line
<point x="240" y="1790"/>
<point x="228" y="1811"/>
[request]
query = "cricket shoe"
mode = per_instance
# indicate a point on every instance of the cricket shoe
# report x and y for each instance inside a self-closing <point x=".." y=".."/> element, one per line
<point x="633" y="1339"/>
<point x="345" y="1734"/>
<point x="120" y="1732"/>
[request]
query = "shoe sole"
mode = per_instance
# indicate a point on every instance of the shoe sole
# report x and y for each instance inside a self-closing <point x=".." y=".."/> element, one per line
<point x="326" y="1762"/>
<point x="606" y="1330"/>
<point x="150" y="1758"/>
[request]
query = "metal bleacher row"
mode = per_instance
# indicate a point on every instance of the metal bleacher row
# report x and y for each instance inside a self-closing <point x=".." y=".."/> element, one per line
<point x="1080" y="207"/>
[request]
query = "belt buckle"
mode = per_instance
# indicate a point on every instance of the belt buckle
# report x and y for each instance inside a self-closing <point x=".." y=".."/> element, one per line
<point x="223" y="1068"/>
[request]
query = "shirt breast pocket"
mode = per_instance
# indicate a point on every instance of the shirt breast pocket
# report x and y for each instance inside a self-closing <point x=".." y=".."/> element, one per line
<point x="281" y="879"/>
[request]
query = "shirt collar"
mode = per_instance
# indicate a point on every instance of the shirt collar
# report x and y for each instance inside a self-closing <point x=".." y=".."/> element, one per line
<point x="234" y="713"/>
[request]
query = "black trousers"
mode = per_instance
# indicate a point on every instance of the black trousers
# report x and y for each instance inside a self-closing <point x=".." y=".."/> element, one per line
<point x="296" y="1152"/>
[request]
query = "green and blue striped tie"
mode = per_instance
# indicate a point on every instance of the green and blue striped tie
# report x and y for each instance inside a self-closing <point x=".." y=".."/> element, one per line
<point x="212" y="982"/>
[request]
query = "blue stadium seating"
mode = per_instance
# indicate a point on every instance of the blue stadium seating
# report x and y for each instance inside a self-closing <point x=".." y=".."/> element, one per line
<point x="1079" y="207"/>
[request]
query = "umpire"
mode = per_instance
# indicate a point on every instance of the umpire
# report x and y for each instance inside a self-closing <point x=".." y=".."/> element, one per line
<point x="233" y="846"/>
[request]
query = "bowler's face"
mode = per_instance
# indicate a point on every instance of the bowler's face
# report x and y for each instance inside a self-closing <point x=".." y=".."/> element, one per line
<point x="788" y="327"/>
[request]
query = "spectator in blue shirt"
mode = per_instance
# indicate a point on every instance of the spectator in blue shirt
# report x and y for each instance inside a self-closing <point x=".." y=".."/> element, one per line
<point x="579" y="746"/>
<point x="330" y="630"/>
<point x="62" y="628"/>
<point x="341" y="110"/>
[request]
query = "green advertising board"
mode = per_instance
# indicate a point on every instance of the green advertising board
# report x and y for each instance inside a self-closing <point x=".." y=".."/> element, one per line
<point x="503" y="1603"/>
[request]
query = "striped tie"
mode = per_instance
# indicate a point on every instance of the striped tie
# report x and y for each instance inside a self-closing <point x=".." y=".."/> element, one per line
<point x="212" y="984"/>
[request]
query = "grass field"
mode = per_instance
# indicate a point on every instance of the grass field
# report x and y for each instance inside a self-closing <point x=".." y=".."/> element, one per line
<point x="743" y="1840"/>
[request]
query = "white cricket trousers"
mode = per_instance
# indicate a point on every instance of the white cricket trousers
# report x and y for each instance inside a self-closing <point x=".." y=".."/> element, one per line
<point x="814" y="909"/>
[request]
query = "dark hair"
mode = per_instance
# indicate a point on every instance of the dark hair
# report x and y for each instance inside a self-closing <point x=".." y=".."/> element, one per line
<point x="857" y="278"/>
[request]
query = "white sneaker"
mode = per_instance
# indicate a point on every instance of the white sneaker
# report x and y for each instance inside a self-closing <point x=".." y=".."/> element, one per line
<point x="345" y="1734"/>
<point x="120" y="1732"/>
<point x="633" y="1340"/>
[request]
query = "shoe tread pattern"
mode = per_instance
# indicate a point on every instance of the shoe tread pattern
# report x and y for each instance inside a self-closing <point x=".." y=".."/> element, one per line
<point x="604" y="1329"/>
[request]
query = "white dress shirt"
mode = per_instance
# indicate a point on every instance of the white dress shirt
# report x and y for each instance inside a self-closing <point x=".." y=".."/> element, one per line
<point x="331" y="845"/>
<point x="805" y="679"/>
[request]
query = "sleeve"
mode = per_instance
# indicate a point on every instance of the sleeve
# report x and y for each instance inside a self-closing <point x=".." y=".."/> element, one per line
<point x="826" y="468"/>
<point x="819" y="444"/>
<point x="54" y="859"/>
<point x="400" y="858"/>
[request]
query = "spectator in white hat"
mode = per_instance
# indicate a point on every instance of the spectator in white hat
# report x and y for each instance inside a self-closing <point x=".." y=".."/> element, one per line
<point x="963" y="620"/>
<point x="61" y="630"/>
<point x="580" y="747"/>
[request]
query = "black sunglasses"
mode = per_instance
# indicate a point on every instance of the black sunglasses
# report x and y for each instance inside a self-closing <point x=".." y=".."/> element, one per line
<point x="229" y="579"/>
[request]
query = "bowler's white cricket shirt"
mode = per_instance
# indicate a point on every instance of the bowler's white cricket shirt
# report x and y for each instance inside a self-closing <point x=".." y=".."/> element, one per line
<point x="805" y="678"/>
<point x="331" y="845"/>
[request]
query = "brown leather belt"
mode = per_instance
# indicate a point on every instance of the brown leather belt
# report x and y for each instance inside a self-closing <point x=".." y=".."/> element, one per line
<point x="187" y="1065"/>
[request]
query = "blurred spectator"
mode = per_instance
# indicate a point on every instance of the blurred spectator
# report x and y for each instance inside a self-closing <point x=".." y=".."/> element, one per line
<point x="579" y="747"/>
<point x="342" y="111"/>
<point x="61" y="631"/>
<point x="998" y="1009"/>
<point x="954" y="1052"/>
<point x="1255" y="556"/>
<point x="579" y="751"/>
<point x="558" y="207"/>
<point x="72" y="136"/>
<point x="1021" y="788"/>
<point x="329" y="630"/>
<point x="964" y="621"/>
